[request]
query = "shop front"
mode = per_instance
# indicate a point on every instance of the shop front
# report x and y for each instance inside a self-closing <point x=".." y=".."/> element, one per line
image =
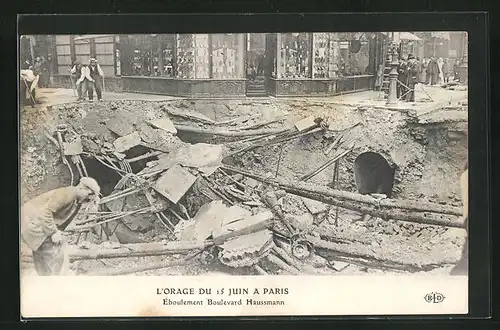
<point x="323" y="64"/>
<point x="189" y="65"/>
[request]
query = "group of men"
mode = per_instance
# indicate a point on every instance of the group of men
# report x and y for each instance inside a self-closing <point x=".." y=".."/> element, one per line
<point x="407" y="78"/>
<point x="88" y="78"/>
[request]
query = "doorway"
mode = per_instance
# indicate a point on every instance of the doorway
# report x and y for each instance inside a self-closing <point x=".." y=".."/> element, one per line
<point x="256" y="64"/>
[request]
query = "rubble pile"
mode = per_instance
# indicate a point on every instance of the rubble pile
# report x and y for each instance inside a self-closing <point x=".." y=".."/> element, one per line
<point x="177" y="182"/>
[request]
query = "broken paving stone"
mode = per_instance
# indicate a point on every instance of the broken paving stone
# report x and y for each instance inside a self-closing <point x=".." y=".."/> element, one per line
<point x="73" y="148"/>
<point x="314" y="207"/>
<point x="127" y="142"/>
<point x="164" y="124"/>
<point x="120" y="126"/>
<point x="174" y="183"/>
<point x="306" y="123"/>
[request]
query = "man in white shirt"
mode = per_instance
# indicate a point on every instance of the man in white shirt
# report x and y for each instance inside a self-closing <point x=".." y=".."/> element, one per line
<point x="95" y="75"/>
<point x="81" y="83"/>
<point x="29" y="82"/>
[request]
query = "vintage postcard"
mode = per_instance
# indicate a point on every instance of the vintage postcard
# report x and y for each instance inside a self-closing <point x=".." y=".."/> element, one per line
<point x="244" y="174"/>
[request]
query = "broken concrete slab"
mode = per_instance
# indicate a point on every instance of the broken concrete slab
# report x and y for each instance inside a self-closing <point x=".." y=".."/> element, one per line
<point x="208" y="218"/>
<point x="164" y="124"/>
<point x="205" y="157"/>
<point x="189" y="114"/>
<point x="127" y="142"/>
<point x="174" y="183"/>
<point x="120" y="126"/>
<point x="73" y="148"/>
<point x="256" y="242"/>
<point x="243" y="226"/>
<point x="314" y="207"/>
<point x="306" y="123"/>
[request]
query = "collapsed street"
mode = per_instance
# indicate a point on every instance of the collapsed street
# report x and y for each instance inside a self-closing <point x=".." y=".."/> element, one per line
<point x="258" y="186"/>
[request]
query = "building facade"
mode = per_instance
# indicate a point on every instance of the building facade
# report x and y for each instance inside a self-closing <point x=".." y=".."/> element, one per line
<point x="222" y="65"/>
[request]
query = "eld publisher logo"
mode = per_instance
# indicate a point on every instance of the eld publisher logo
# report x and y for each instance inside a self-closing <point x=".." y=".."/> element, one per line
<point x="434" y="297"/>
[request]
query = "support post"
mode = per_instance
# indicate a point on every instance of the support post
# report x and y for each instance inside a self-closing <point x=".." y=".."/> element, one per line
<point x="393" y="78"/>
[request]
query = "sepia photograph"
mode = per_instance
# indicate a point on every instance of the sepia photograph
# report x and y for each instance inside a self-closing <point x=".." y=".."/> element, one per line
<point x="244" y="155"/>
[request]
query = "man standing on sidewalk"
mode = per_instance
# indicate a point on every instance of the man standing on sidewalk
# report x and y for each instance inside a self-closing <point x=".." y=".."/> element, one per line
<point x="81" y="83"/>
<point x="95" y="78"/>
<point x="43" y="218"/>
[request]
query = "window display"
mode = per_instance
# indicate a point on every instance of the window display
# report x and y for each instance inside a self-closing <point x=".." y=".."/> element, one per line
<point x="225" y="59"/>
<point x="294" y="56"/>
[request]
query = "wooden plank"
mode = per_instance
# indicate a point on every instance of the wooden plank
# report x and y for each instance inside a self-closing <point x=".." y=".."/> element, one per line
<point x="244" y="226"/>
<point x="174" y="183"/>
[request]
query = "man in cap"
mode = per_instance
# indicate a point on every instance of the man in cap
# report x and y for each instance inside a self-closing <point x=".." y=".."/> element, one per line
<point x="412" y="78"/>
<point x="95" y="77"/>
<point x="44" y="217"/>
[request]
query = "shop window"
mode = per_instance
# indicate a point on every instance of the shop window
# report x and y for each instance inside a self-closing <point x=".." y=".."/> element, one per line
<point x="326" y="56"/>
<point x="227" y="61"/>
<point x="136" y="55"/>
<point x="294" y="56"/>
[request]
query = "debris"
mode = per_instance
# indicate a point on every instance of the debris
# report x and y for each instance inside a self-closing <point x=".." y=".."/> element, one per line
<point x="252" y="183"/>
<point x="73" y="148"/>
<point x="325" y="165"/>
<point x="318" y="261"/>
<point x="190" y="129"/>
<point x="243" y="226"/>
<point x="302" y="222"/>
<point x="193" y="115"/>
<point x="306" y="123"/>
<point x="127" y="142"/>
<point x="283" y="265"/>
<point x="120" y="126"/>
<point x="174" y="183"/>
<point x="208" y="218"/>
<point x="338" y="265"/>
<point x="314" y="207"/>
<point x="165" y="124"/>
<point x="246" y="250"/>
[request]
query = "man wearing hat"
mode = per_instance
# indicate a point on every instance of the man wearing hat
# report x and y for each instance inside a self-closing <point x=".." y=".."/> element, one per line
<point x="44" y="217"/>
<point x="412" y="67"/>
<point x="95" y="77"/>
<point x="81" y="83"/>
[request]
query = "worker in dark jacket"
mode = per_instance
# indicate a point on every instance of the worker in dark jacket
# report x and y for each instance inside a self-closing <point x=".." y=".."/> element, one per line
<point x="402" y="78"/>
<point x="412" y="68"/>
<point x="43" y="218"/>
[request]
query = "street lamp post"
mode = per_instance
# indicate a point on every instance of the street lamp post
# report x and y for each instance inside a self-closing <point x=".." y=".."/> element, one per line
<point x="392" y="98"/>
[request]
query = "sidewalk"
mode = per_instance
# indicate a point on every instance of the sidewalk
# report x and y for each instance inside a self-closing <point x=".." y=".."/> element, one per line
<point x="54" y="96"/>
<point x="433" y="103"/>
